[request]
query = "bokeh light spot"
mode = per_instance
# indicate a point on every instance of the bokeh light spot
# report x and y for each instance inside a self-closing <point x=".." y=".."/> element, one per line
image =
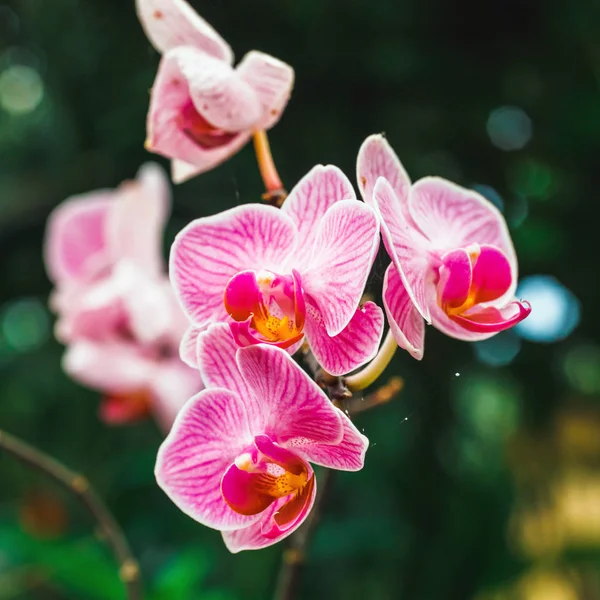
<point x="21" y="89"/>
<point x="509" y="128"/>
<point x="499" y="350"/>
<point x="25" y="324"/>
<point x="555" y="310"/>
<point x="581" y="367"/>
<point x="488" y="404"/>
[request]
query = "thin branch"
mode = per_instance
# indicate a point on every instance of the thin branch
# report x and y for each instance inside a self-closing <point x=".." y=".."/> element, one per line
<point x="129" y="571"/>
<point x="382" y="395"/>
<point x="294" y="555"/>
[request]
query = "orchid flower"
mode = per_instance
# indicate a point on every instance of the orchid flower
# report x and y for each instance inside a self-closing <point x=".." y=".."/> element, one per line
<point x="453" y="261"/>
<point x="277" y="275"/>
<point x="202" y="110"/>
<point x="237" y="457"/>
<point x="116" y="309"/>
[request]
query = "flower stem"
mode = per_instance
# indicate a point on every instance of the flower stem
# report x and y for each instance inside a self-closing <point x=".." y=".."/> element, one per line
<point x="129" y="571"/>
<point x="368" y="375"/>
<point x="275" y="192"/>
<point x="382" y="395"/>
<point x="294" y="555"/>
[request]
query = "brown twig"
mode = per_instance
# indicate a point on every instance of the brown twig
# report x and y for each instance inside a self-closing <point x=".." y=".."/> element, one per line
<point x="295" y="554"/>
<point x="129" y="571"/>
<point x="388" y="391"/>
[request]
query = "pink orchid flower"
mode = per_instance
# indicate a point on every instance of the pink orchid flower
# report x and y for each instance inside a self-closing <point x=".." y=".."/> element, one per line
<point x="237" y="457"/>
<point x="453" y="262"/>
<point x="202" y="110"/>
<point x="277" y="275"/>
<point x="116" y="309"/>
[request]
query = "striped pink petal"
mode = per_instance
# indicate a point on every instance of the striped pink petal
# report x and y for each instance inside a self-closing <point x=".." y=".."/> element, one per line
<point x="376" y="159"/>
<point x="454" y="217"/>
<point x="293" y="405"/>
<point x="407" y="247"/>
<point x="348" y="455"/>
<point x="218" y="92"/>
<point x="344" y="250"/>
<point x="272" y="80"/>
<point x="210" y="251"/>
<point x="108" y="366"/>
<point x="95" y="311"/>
<point x="152" y="312"/>
<point x="188" y="348"/>
<point x="201" y="111"/>
<point x="310" y="199"/>
<point x="356" y="345"/>
<point x="209" y="433"/>
<point x="172" y="23"/>
<point x="137" y="219"/>
<point x="406" y="324"/>
<point x="76" y="243"/>
<point x="218" y="367"/>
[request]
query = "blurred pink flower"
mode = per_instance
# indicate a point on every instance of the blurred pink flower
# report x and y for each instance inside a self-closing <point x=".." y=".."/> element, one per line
<point x="237" y="456"/>
<point x="116" y="310"/>
<point x="278" y="274"/>
<point x="202" y="110"/>
<point x="453" y="262"/>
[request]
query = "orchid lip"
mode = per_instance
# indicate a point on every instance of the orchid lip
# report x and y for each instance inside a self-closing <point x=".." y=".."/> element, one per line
<point x="266" y="308"/>
<point x="200" y="131"/>
<point x="469" y="279"/>
<point x="490" y="320"/>
<point x="266" y="473"/>
<point x="244" y="336"/>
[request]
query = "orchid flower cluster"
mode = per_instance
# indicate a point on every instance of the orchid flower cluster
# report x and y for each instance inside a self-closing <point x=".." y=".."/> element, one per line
<point x="117" y="312"/>
<point x="211" y="352"/>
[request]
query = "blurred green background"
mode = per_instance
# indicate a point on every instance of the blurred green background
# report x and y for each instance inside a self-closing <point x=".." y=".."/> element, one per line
<point x="483" y="477"/>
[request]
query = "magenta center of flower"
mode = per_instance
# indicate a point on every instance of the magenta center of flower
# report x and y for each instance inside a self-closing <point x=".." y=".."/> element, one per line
<point x="266" y="308"/>
<point x="472" y="276"/>
<point x="265" y="473"/>
<point x="200" y="131"/>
